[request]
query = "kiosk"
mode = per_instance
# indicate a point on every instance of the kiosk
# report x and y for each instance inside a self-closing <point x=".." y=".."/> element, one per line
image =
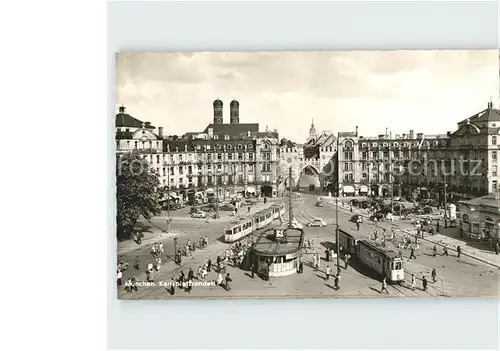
<point x="277" y="251"/>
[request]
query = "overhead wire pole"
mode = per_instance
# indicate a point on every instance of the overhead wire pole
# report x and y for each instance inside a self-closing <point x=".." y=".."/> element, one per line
<point x="337" y="243"/>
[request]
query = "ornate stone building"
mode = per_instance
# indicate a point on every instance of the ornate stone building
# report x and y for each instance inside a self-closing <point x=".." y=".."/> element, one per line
<point x="417" y="164"/>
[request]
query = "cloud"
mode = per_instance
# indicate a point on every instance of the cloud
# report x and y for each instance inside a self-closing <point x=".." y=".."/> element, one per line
<point x="427" y="91"/>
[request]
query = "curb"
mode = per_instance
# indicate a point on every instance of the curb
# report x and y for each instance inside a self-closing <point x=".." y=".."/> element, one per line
<point x="452" y="249"/>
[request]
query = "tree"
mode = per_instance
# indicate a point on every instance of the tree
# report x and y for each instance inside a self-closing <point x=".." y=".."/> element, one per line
<point x="136" y="193"/>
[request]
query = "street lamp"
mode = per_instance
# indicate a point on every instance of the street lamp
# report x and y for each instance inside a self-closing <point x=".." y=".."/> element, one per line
<point x="445" y="203"/>
<point x="337" y="243"/>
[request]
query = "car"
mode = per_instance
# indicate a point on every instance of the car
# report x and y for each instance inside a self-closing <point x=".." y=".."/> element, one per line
<point x="208" y="208"/>
<point x="227" y="207"/>
<point x="317" y="222"/>
<point x="198" y="214"/>
<point x="249" y="202"/>
<point x="319" y="203"/>
<point x="296" y="224"/>
<point x="357" y="219"/>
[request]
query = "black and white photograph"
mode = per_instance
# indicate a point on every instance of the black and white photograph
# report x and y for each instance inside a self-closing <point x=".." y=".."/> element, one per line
<point x="307" y="174"/>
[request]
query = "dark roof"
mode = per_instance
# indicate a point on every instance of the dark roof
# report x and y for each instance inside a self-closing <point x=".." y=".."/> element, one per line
<point x="487" y="115"/>
<point x="234" y="103"/>
<point x="180" y="145"/>
<point x="126" y="120"/>
<point x="487" y="200"/>
<point x="372" y="246"/>
<point x="233" y="129"/>
<point x="267" y="246"/>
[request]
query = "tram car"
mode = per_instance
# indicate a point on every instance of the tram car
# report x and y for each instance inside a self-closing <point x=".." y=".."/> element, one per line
<point x="258" y="221"/>
<point x="385" y="262"/>
<point x="347" y="242"/>
<point x="278" y="210"/>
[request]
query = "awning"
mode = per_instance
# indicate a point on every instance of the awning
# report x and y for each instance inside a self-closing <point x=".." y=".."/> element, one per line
<point x="348" y="189"/>
<point x="210" y="191"/>
<point x="363" y="189"/>
<point x="250" y="189"/>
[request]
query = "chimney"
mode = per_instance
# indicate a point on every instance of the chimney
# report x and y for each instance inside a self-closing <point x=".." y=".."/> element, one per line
<point x="404" y="136"/>
<point x="160" y="132"/>
<point x="490" y="105"/>
<point x="356" y="130"/>
<point x="122" y="109"/>
<point x="248" y="134"/>
<point x="390" y="135"/>
<point x="147" y="125"/>
<point x="411" y="133"/>
<point x="448" y="133"/>
<point x="386" y="130"/>
<point x="168" y="147"/>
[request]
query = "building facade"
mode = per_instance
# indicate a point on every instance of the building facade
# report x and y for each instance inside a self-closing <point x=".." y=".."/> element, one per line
<point x="417" y="164"/>
<point x="480" y="218"/>
<point x="225" y="159"/>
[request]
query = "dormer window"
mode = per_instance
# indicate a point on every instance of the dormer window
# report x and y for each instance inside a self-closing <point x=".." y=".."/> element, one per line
<point x="362" y="145"/>
<point x="395" y="144"/>
<point x="384" y="144"/>
<point x="229" y="147"/>
<point x="239" y="146"/>
<point x="374" y="145"/>
<point x="226" y="137"/>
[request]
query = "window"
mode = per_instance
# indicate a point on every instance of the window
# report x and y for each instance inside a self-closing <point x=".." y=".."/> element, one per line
<point x="364" y="175"/>
<point x="171" y="170"/>
<point x="230" y="156"/>
<point x="240" y="179"/>
<point x="494" y="170"/>
<point x="135" y="144"/>
<point x="219" y="157"/>
<point x="219" y="179"/>
<point x="219" y="146"/>
<point x="181" y="181"/>
<point x="180" y="170"/>
<point x="364" y="155"/>
<point x="239" y="146"/>
<point x="250" y="146"/>
<point x="494" y="155"/>
<point x="190" y="170"/>
<point x="250" y="157"/>
<point x="199" y="168"/>
<point x="346" y="176"/>
<point x="494" y="139"/>
<point x="363" y="166"/>
<point x="219" y="168"/>
<point x="164" y="171"/>
<point x="226" y="137"/>
<point x="494" y="185"/>
<point x="209" y="180"/>
<point x="386" y="154"/>
<point x="157" y="158"/>
<point x="240" y="156"/>
<point x="250" y="168"/>
<point x="351" y="176"/>
<point x="228" y="147"/>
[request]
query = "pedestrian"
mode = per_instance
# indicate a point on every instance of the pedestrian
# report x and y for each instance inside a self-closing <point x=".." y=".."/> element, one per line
<point x="327" y="255"/>
<point x="137" y="263"/>
<point x="314" y="261"/>
<point x="206" y="241"/>
<point x="413" y="282"/>
<point x="150" y="266"/>
<point x="219" y="279"/>
<point x="190" y="274"/>
<point x="318" y="261"/>
<point x="248" y="209"/>
<point x="496" y="248"/>
<point x="384" y="286"/>
<point x="160" y="248"/>
<point x="218" y="261"/>
<point x="424" y="283"/>
<point x="412" y="254"/>
<point x="459" y="251"/>
<point x="209" y="265"/>
<point x="433" y="275"/>
<point x="336" y="282"/>
<point x="189" y="285"/>
<point x="346" y="260"/>
<point x="434" y="251"/>
<point x="228" y="280"/>
<point x="133" y="284"/>
<point x="119" y="277"/>
<point x="437" y="226"/>
<point x="301" y="267"/>
<point x="158" y="263"/>
<point x="327" y="272"/>
<point x="445" y="251"/>
<point x="252" y="270"/>
<point x="204" y="273"/>
<point x="172" y="286"/>
<point x="357" y="226"/>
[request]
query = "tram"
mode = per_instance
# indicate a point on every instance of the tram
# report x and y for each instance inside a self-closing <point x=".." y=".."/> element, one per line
<point x="347" y="242"/>
<point x="278" y="210"/>
<point x="385" y="262"/>
<point x="258" y="221"/>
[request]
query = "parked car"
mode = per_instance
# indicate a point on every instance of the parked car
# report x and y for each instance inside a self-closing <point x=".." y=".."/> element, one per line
<point x="227" y="207"/>
<point x="198" y="214"/>
<point x="208" y="208"/>
<point x="357" y="218"/>
<point x="249" y="202"/>
<point x="317" y="222"/>
<point x="378" y="216"/>
<point x="319" y="203"/>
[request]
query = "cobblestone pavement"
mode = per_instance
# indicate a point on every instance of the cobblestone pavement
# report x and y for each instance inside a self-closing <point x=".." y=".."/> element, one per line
<point x="457" y="277"/>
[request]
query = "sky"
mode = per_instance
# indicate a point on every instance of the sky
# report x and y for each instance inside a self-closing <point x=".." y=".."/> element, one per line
<point x="427" y="91"/>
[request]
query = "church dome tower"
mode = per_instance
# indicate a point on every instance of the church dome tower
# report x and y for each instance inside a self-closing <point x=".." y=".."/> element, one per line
<point x="235" y="112"/>
<point x="218" y="105"/>
<point x="312" y="131"/>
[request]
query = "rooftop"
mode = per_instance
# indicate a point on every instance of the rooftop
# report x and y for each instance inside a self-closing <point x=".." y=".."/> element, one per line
<point x="233" y="129"/>
<point x="486" y="200"/>
<point x="266" y="244"/>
